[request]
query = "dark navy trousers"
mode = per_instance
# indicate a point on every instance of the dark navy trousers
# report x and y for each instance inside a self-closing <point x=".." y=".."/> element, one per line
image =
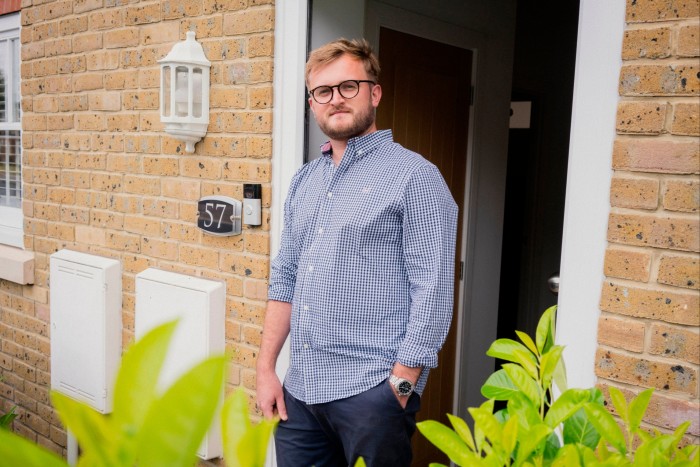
<point x="371" y="424"/>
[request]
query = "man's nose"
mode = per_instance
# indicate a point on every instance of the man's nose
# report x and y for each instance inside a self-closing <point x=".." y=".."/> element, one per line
<point x="336" y="98"/>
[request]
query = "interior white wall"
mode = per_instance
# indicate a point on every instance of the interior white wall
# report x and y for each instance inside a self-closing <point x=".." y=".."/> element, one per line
<point x="598" y="61"/>
<point x="330" y="20"/>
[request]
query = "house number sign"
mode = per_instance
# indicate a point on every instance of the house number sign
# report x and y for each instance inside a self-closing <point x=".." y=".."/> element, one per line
<point x="219" y="215"/>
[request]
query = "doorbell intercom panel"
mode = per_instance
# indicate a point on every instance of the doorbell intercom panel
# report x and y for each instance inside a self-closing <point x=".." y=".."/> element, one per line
<point x="252" y="207"/>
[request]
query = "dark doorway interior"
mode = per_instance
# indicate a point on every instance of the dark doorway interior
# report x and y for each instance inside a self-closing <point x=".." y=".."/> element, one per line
<point x="543" y="74"/>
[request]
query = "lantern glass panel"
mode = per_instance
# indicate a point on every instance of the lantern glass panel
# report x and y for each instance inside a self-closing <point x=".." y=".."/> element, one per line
<point x="181" y="77"/>
<point x="197" y="92"/>
<point x="165" y="86"/>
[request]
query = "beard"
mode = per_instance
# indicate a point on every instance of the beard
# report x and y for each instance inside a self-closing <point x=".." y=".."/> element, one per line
<point x="362" y="120"/>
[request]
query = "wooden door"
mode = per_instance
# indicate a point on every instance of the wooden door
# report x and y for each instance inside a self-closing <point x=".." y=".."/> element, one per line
<point x="426" y="96"/>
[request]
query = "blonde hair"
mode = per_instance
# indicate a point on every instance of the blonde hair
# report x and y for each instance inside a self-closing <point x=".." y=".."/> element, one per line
<point x="356" y="48"/>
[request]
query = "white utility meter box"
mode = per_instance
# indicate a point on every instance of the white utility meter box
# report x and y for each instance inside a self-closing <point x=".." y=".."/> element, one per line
<point x="199" y="304"/>
<point x="86" y="326"/>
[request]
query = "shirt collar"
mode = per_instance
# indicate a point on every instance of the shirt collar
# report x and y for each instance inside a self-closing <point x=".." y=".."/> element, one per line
<point x="360" y="145"/>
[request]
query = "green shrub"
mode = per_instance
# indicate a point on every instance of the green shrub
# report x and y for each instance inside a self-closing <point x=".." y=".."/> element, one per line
<point x="537" y="429"/>
<point x="150" y="427"/>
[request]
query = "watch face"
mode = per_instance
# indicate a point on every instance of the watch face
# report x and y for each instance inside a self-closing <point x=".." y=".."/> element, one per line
<point x="404" y="388"/>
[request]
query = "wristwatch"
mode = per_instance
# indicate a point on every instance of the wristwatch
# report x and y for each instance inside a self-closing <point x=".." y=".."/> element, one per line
<point x="403" y="386"/>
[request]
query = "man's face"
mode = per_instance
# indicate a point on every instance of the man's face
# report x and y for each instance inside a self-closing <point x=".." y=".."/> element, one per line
<point x="341" y="118"/>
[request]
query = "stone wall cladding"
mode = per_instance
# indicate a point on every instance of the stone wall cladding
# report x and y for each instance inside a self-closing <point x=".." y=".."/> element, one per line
<point x="649" y="329"/>
<point x="101" y="175"/>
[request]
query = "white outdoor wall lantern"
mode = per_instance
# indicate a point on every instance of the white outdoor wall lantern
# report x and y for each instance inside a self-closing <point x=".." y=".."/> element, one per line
<point x="184" y="92"/>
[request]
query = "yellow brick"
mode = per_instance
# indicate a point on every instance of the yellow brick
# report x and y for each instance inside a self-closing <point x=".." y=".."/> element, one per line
<point x="160" y="165"/>
<point x="672" y="307"/>
<point x="688" y="42"/>
<point x="686" y="119"/>
<point x="142" y="185"/>
<point x="200" y="167"/>
<point x="105" y="19"/>
<point x="658" y="374"/>
<point x="121" y="241"/>
<point x="91" y="160"/>
<point x="646" y="43"/>
<point x="87" y="82"/>
<point x="260" y="46"/>
<point x="183" y="231"/>
<point x="119" y="38"/>
<point x="58" y="84"/>
<point x="89" y="235"/>
<point x="127" y="163"/>
<point x="73" y="103"/>
<point x="58" y="9"/>
<point x="121" y="80"/>
<point x="641" y="117"/>
<point x="61" y="195"/>
<point x="149" y="78"/>
<point x="103" y="60"/>
<point x="158" y="33"/>
<point x="106" y="182"/>
<point x="627" y="264"/>
<point x="247" y="170"/>
<point x="123" y="122"/>
<point x="204" y="27"/>
<point x="650" y="155"/>
<point x="249" y="21"/>
<point x="160" y="208"/>
<point x="228" y="98"/>
<point x="181" y="189"/>
<point x="677" y="79"/>
<point x="259" y="146"/>
<point x="159" y="248"/>
<point x="72" y="26"/>
<point x="106" y="219"/>
<point x="173" y="9"/>
<point x="107" y="142"/>
<point x="92" y="121"/>
<point x="682" y="195"/>
<point x="142" y="14"/>
<point x="61" y="46"/>
<point x="87" y="42"/>
<point x="675" y="342"/>
<point x="679" y="271"/>
<point x="198" y="256"/>
<point x="140" y="143"/>
<point x="142" y="225"/>
<point x="141" y="100"/>
<point x="681" y="233"/>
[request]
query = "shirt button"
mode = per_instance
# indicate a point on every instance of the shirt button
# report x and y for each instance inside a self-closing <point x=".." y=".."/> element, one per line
<point x="311" y="268"/>
<point x="306" y="346"/>
<point x="306" y="307"/>
<point x="330" y="195"/>
<point x="320" y="230"/>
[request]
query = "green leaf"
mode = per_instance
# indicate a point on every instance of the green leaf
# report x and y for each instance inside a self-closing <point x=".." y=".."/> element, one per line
<point x="552" y="445"/>
<point x="488" y="424"/>
<point x="529" y="444"/>
<point x="177" y="422"/>
<point x="559" y="376"/>
<point x="544" y="336"/>
<point x="525" y="410"/>
<point x="578" y="430"/>
<point x="499" y="386"/>
<point x="235" y="422"/>
<point x="527" y="340"/>
<point x="18" y="451"/>
<point x="448" y="442"/>
<point x="620" y="403"/>
<point x="462" y="429"/>
<point x="548" y="364"/>
<point x="565" y="406"/>
<point x="512" y="351"/>
<point x="91" y="429"/>
<point x="524" y="382"/>
<point x="637" y="408"/>
<point x="7" y="419"/>
<point x="606" y="426"/>
<point x="245" y="444"/>
<point x="568" y="456"/>
<point x="510" y="436"/>
<point x="135" y="386"/>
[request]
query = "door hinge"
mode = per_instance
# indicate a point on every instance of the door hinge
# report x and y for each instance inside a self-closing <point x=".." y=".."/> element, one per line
<point x="461" y="270"/>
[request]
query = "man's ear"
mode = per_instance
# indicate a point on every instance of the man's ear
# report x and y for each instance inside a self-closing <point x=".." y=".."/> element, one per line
<point x="311" y="106"/>
<point x="376" y="95"/>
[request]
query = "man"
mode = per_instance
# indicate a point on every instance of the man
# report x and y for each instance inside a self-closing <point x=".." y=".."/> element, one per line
<point x="363" y="280"/>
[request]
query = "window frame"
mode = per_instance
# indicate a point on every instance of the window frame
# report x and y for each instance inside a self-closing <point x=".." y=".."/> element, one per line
<point x="11" y="218"/>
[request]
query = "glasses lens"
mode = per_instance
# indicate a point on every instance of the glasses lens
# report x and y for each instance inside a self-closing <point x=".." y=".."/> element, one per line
<point x="323" y="94"/>
<point x="349" y="89"/>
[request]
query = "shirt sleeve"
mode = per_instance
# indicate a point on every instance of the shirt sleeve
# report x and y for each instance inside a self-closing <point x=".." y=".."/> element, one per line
<point x="283" y="269"/>
<point x="429" y="234"/>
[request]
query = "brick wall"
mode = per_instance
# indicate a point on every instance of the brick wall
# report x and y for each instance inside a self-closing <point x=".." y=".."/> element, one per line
<point x="649" y="329"/>
<point x="101" y="176"/>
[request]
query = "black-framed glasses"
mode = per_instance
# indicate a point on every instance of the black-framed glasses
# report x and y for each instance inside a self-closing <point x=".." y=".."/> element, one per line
<point x="347" y="89"/>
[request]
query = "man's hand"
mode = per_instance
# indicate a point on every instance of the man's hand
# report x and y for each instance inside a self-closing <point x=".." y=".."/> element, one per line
<point x="270" y="395"/>
<point x="403" y="400"/>
<point x="409" y="373"/>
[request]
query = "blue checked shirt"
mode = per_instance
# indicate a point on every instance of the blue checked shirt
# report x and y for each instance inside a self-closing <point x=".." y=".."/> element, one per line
<point x="367" y="262"/>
